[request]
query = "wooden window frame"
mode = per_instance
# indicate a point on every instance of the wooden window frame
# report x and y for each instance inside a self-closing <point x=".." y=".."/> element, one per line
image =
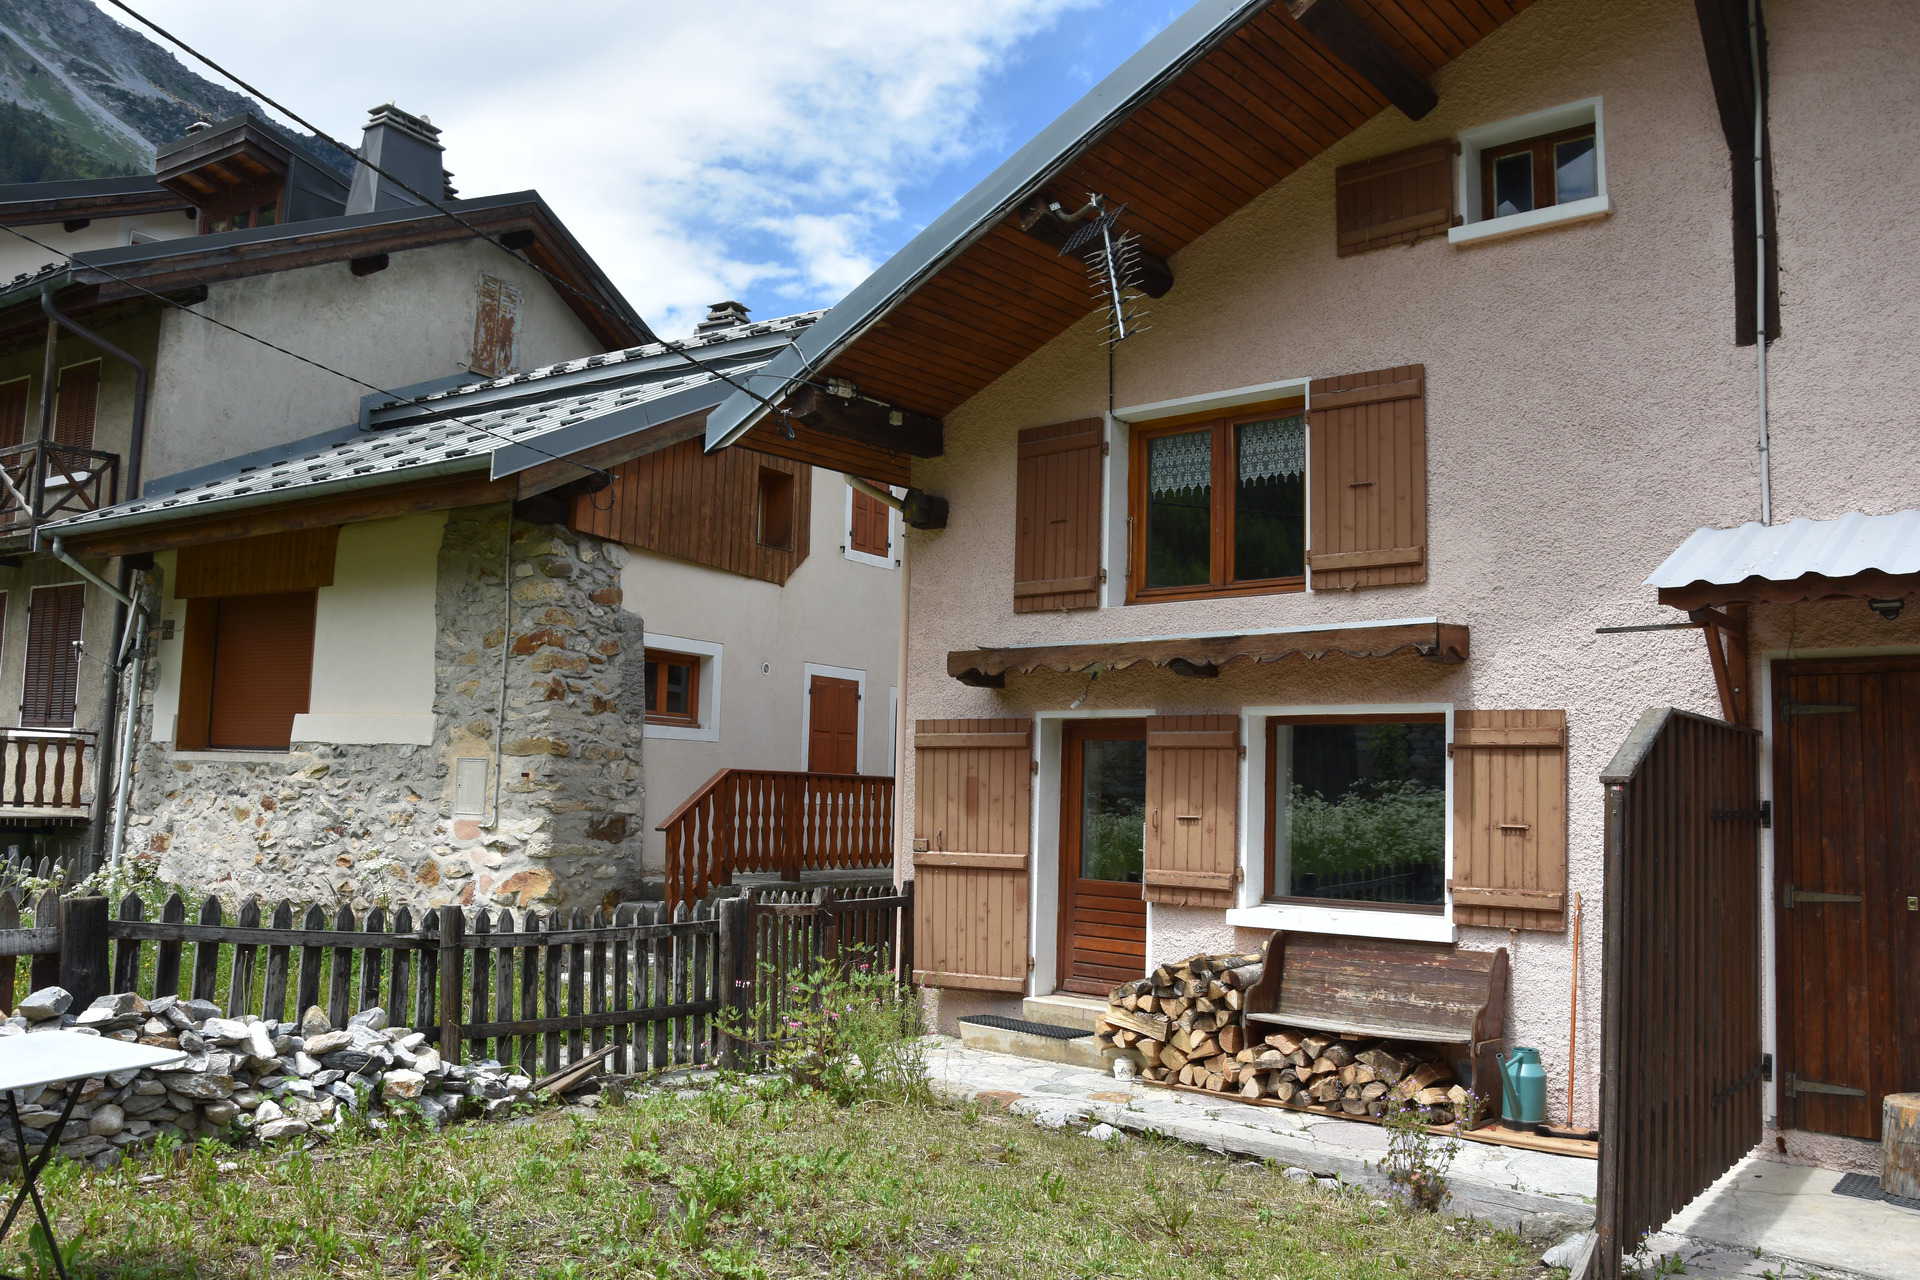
<point x="784" y="487"/>
<point x="1268" y="895"/>
<point x="1220" y="558"/>
<point x="662" y="659"/>
<point x="1546" y="193"/>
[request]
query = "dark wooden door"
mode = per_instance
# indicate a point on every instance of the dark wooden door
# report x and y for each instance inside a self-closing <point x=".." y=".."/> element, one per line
<point x="1847" y="889"/>
<point x="1103" y="806"/>
<point x="833" y="725"/>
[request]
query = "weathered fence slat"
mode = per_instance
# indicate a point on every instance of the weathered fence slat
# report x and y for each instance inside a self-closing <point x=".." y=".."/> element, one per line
<point x="126" y="956"/>
<point x="273" y="1002"/>
<point x="338" y="986"/>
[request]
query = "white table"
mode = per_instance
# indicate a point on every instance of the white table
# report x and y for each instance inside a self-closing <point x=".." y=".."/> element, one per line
<point x="57" y="1057"/>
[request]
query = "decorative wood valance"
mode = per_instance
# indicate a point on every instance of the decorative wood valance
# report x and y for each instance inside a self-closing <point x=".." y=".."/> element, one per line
<point x="298" y="560"/>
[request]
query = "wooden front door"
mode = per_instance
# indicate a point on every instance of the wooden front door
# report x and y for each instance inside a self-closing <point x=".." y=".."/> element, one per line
<point x="833" y="725"/>
<point x="1103" y="807"/>
<point x="1847" y="888"/>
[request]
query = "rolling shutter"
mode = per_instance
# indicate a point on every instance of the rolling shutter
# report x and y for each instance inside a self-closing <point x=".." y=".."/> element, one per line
<point x="74" y="406"/>
<point x="1510" y="819"/>
<point x="262" y="670"/>
<point x="1367" y="476"/>
<point x="1193" y="798"/>
<point x="54" y="618"/>
<point x="1394" y="199"/>
<point x="973" y="800"/>
<point x="273" y="563"/>
<point x="1056" y="546"/>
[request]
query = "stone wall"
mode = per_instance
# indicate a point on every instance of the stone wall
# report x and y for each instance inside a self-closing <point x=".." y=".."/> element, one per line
<point x="373" y="825"/>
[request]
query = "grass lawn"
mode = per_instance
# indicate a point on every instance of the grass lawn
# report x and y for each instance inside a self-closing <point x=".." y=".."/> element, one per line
<point x="724" y="1185"/>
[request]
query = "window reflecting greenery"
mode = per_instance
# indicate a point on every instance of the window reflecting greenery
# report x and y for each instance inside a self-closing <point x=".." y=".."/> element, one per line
<point x="1180" y="509"/>
<point x="1360" y="812"/>
<point x="1113" y="807"/>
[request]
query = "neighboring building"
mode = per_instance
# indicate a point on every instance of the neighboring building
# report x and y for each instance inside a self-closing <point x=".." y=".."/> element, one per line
<point x="468" y="649"/>
<point x="134" y="392"/>
<point x="1288" y="611"/>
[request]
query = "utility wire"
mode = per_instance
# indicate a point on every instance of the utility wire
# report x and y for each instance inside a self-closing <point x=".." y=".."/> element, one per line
<point x="295" y="355"/>
<point x="354" y="152"/>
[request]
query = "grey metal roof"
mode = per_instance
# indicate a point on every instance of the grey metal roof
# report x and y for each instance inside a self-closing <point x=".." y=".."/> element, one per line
<point x="1839" y="548"/>
<point x="1188" y="37"/>
<point x="573" y="405"/>
<point x="81" y="189"/>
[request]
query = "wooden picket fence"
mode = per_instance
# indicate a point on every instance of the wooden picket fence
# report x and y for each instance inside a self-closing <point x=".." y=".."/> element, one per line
<point x="651" y="987"/>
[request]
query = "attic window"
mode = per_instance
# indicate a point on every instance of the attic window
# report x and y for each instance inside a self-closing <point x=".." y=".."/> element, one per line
<point x="1535" y="171"/>
<point x="776" y="509"/>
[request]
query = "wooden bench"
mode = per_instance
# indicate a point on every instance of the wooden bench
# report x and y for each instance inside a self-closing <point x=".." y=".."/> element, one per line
<point x="1431" y="993"/>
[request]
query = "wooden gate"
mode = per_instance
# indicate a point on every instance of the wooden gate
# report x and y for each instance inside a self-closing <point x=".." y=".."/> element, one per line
<point x="1681" y="1064"/>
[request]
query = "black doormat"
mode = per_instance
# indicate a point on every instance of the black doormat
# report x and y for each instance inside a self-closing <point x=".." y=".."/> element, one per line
<point x="1864" y="1186"/>
<point x="1021" y="1024"/>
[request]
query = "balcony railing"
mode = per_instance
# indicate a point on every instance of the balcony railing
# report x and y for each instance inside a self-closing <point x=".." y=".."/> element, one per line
<point x="41" y="480"/>
<point x="747" y="820"/>
<point x="45" y="770"/>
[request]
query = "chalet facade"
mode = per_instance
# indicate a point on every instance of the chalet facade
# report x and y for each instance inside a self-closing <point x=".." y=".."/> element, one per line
<point x="1321" y="601"/>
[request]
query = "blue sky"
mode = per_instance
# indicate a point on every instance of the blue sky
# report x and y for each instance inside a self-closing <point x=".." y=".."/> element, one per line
<point x="772" y="151"/>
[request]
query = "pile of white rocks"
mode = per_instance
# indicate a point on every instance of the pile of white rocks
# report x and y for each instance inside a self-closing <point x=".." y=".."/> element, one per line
<point x="243" y="1077"/>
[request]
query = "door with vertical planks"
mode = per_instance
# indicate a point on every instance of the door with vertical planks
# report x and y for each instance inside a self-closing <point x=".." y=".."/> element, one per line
<point x="833" y="725"/>
<point x="1847" y="889"/>
<point x="1103" y="918"/>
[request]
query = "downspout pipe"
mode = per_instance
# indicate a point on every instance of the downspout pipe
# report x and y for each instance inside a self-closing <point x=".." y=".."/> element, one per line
<point x="1757" y="69"/>
<point x="110" y="724"/>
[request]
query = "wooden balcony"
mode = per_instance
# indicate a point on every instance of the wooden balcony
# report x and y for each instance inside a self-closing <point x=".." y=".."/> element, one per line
<point x="45" y="775"/>
<point x="41" y="481"/>
<point x="768" y="820"/>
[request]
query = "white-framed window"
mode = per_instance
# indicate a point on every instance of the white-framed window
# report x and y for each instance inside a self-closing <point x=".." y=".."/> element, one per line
<point x="688" y="710"/>
<point x="1544" y="169"/>
<point x="870" y="530"/>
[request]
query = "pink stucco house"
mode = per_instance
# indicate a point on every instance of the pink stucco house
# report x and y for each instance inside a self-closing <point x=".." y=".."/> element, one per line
<point x="1323" y="599"/>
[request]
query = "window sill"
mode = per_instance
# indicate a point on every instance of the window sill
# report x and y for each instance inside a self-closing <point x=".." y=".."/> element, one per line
<point x="868" y="558"/>
<point x="683" y="732"/>
<point x="1176" y="595"/>
<point x="1519" y="224"/>
<point x="221" y="756"/>
<point x="1355" y="922"/>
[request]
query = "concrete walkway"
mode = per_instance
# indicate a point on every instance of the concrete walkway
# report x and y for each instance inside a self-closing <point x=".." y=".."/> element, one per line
<point x="1763" y="1221"/>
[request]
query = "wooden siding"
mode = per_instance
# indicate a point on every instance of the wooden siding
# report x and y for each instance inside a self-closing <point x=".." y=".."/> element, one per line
<point x="700" y="507"/>
<point x="1237" y="120"/>
<point x="1367" y="475"/>
<point x="836" y="453"/>
<point x="1193" y="801"/>
<point x="1056" y="548"/>
<point x="300" y="560"/>
<point x="973" y="800"/>
<point x="1510" y="819"/>
<point x="1394" y="199"/>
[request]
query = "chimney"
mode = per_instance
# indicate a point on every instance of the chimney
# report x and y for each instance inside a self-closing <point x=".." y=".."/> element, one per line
<point x="408" y="147"/>
<point x="722" y="315"/>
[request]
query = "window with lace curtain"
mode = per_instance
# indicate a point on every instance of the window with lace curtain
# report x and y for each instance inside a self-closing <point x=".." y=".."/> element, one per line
<point x="1219" y="507"/>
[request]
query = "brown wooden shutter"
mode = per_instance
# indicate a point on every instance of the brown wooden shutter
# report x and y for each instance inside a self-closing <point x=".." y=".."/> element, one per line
<point x="871" y="524"/>
<point x="1056" y="543"/>
<point x="262" y="670"/>
<point x="75" y="404"/>
<point x="1367" y="474"/>
<point x="13" y="413"/>
<point x="1394" y="199"/>
<point x="1510" y="819"/>
<point x="1193" y="802"/>
<point x="54" y="619"/>
<point x="833" y="725"/>
<point x="973" y="801"/>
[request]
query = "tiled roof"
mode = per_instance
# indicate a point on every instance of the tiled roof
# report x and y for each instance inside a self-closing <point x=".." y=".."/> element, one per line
<point x="443" y="443"/>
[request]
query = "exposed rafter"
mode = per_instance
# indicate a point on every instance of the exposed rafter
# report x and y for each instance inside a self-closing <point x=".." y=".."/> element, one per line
<point x="857" y="418"/>
<point x="1348" y="37"/>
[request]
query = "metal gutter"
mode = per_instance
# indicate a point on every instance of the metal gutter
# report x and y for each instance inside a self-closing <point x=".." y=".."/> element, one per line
<point x="1192" y="35"/>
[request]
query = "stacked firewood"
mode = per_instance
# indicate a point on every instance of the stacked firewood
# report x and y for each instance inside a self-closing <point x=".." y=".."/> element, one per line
<point x="1184" y="1025"/>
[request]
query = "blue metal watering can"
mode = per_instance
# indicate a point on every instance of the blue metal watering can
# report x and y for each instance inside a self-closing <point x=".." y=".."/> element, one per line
<point x="1523" y="1088"/>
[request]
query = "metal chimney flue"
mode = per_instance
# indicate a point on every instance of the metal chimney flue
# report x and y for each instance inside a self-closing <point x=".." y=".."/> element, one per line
<point x="722" y="315"/>
<point x="407" y="147"/>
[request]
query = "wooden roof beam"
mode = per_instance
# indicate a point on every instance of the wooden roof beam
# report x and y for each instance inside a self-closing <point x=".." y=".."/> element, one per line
<point x="1348" y="37"/>
<point x="863" y="420"/>
<point x="1039" y="220"/>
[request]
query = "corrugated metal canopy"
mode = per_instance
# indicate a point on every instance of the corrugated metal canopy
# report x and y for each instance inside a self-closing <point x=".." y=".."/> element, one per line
<point x="1853" y="544"/>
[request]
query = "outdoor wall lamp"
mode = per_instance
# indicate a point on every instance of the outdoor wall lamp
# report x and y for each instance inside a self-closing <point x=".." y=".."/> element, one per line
<point x="1888" y="608"/>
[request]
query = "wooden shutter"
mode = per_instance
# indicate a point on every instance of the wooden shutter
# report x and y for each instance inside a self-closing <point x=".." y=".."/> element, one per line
<point x="1367" y="476"/>
<point x="74" y="406"/>
<point x="262" y="670"/>
<point x="833" y="725"/>
<point x="871" y="524"/>
<point x="1510" y="819"/>
<point x="973" y="801"/>
<point x="13" y="413"/>
<point x="1056" y="545"/>
<point x="1394" y="199"/>
<point x="1193" y="801"/>
<point x="54" y="618"/>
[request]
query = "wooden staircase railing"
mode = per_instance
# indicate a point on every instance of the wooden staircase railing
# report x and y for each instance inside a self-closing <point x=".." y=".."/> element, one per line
<point x="748" y="820"/>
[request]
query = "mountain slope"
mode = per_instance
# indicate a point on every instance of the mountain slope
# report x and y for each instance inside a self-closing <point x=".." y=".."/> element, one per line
<point x="82" y="96"/>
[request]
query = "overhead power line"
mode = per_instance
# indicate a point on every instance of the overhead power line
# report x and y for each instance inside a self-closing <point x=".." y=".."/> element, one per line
<point x="354" y="153"/>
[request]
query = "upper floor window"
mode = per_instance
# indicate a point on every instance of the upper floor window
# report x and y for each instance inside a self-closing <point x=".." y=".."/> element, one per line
<point x="1539" y="170"/>
<point x="1219" y="507"/>
<point x="1537" y="173"/>
<point x="868" y="524"/>
<point x="776" y="509"/>
<point x="51" y="681"/>
<point x="75" y="404"/>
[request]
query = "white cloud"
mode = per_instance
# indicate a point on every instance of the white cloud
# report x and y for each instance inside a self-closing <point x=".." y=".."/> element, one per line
<point x="699" y="150"/>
